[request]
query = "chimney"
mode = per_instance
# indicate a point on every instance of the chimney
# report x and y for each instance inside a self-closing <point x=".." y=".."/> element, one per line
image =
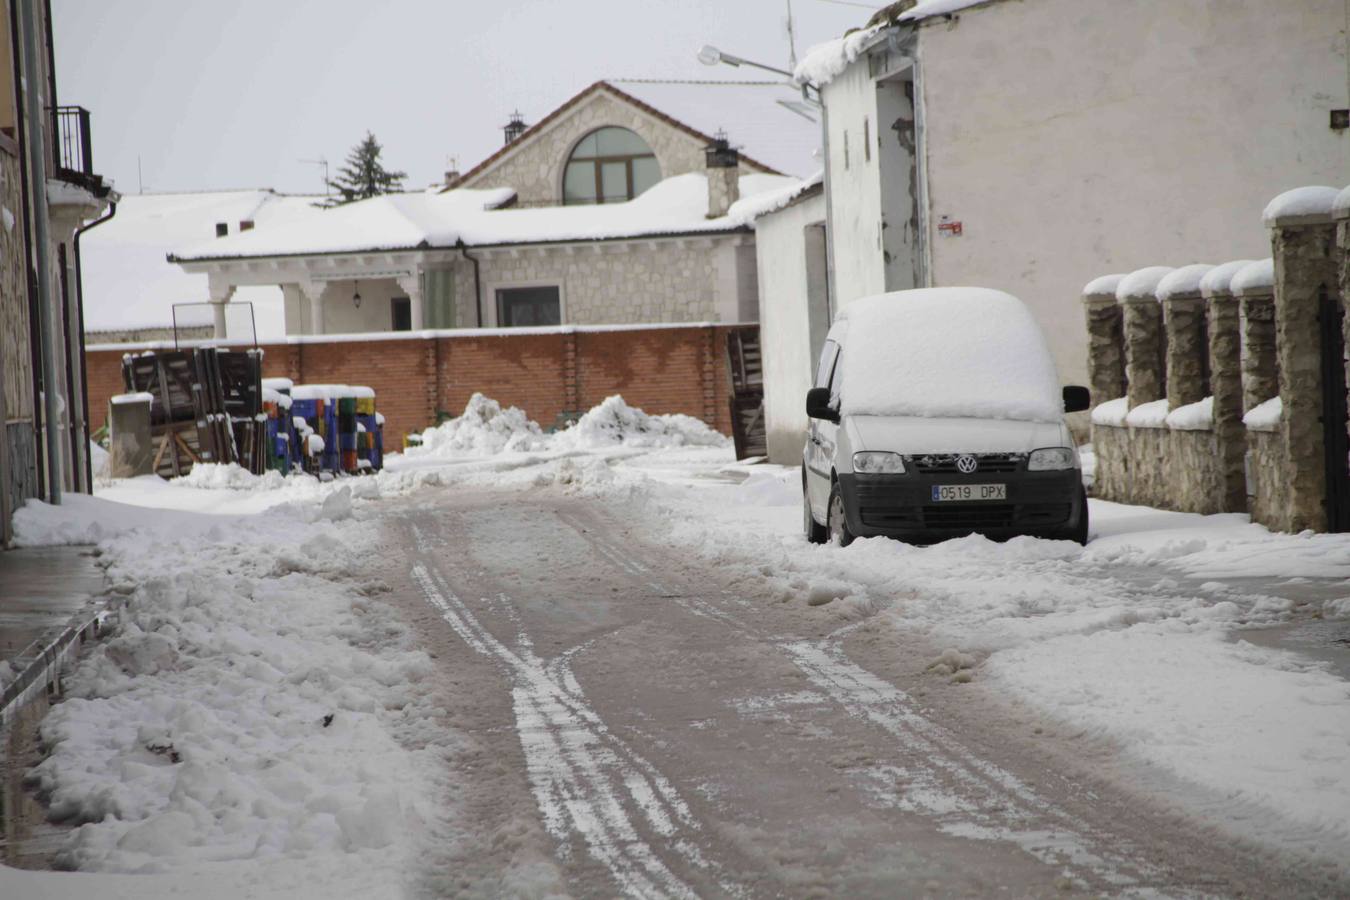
<point x="222" y="229"/>
<point x="515" y="127"/>
<point x="451" y="176"/>
<point x="724" y="186"/>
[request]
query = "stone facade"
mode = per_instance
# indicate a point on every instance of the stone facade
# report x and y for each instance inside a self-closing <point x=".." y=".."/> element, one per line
<point x="1265" y="475"/>
<point x="534" y="169"/>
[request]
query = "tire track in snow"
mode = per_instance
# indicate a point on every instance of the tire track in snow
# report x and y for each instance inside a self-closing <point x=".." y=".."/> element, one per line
<point x="968" y="795"/>
<point x="585" y="779"/>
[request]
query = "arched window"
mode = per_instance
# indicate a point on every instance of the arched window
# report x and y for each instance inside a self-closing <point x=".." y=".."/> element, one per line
<point x="610" y="165"/>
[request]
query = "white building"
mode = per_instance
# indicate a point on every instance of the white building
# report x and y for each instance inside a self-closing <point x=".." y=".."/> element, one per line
<point x="1029" y="145"/>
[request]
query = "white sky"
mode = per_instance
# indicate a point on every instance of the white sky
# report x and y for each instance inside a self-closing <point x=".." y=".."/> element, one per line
<point x="214" y="95"/>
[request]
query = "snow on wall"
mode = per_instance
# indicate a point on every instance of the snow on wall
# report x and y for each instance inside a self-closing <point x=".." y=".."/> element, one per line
<point x="1256" y="276"/>
<point x="1220" y="278"/>
<point x="1303" y="201"/>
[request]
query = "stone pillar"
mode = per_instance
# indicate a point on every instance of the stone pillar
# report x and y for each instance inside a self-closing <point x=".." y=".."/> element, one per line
<point x="1305" y="271"/>
<point x="1143" y="328"/>
<point x="1187" y="343"/>
<point x="312" y="291"/>
<point x="412" y="286"/>
<point x="1225" y="380"/>
<point x="724" y="176"/>
<point x="1255" y="289"/>
<point x="1106" y="339"/>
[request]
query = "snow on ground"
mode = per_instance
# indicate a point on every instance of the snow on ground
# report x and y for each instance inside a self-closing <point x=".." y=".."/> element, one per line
<point x="1137" y="638"/>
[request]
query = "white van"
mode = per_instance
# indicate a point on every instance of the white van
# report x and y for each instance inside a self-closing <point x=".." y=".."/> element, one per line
<point x="937" y="413"/>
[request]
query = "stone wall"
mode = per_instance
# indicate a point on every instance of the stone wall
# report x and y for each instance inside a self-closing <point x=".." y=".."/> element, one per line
<point x="1112" y="480"/>
<point x="535" y="168"/>
<point x="1265" y="476"/>
<point x="15" y="349"/>
<point x="1194" y="472"/>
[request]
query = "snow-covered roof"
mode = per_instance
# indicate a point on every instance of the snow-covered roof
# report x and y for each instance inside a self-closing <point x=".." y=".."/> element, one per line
<point x="748" y="209"/>
<point x="128" y="283"/>
<point x="673" y="206"/>
<point x="1219" y="279"/>
<point x="752" y="113"/>
<point x="1257" y="277"/>
<point x="1184" y="280"/>
<point x="1142" y="283"/>
<point x="1314" y="200"/>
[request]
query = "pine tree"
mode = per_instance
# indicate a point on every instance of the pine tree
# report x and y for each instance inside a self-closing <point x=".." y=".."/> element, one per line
<point x="363" y="175"/>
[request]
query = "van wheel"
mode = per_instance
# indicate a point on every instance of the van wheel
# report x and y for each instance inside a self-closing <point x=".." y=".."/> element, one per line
<point x="815" y="532"/>
<point x="838" y="526"/>
<point x="1079" y="534"/>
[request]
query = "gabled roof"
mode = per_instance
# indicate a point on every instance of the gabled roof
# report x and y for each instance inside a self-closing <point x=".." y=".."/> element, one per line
<point x="620" y="95"/>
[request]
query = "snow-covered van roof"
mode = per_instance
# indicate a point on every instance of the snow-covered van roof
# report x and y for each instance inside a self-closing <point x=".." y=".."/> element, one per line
<point x="674" y="206"/>
<point x="956" y="352"/>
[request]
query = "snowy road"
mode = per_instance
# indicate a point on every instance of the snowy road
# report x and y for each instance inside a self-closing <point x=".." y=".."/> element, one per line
<point x="637" y="722"/>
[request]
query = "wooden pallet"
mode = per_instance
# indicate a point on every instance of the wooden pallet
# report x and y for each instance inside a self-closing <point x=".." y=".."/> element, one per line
<point x="746" y="370"/>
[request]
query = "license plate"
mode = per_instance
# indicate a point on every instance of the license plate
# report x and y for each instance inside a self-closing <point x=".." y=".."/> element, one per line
<point x="946" y="492"/>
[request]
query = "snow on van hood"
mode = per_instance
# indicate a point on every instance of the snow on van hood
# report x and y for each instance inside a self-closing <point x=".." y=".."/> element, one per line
<point x="910" y="436"/>
<point x="947" y="353"/>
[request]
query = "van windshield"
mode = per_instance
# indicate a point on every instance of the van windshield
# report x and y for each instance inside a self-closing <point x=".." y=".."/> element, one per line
<point x="949" y="353"/>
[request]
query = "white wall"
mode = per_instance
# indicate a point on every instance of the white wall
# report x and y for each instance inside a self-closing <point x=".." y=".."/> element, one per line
<point x="1073" y="138"/>
<point x="854" y="186"/>
<point x="787" y="286"/>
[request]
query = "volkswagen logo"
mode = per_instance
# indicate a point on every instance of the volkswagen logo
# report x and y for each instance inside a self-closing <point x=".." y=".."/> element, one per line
<point x="967" y="464"/>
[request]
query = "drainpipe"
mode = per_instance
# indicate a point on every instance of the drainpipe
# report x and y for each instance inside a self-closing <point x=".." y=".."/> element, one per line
<point x="37" y="184"/>
<point x="79" y="309"/>
<point x="477" y="284"/>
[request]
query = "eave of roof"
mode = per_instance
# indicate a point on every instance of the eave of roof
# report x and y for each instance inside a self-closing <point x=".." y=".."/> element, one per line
<point x="534" y="129"/>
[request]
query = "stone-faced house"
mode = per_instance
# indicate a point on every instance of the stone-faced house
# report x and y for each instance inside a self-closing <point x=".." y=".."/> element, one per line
<point x="49" y="195"/>
<point x="606" y="211"/>
<point x="1029" y="145"/>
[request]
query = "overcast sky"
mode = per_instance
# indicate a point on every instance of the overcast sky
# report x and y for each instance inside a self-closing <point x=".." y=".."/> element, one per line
<point x="214" y="95"/>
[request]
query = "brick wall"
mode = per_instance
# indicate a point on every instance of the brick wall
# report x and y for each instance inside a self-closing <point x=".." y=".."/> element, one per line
<point x="660" y="370"/>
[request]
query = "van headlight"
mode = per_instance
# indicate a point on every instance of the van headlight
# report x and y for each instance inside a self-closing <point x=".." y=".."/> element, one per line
<point x="1052" y="459"/>
<point x="876" y="462"/>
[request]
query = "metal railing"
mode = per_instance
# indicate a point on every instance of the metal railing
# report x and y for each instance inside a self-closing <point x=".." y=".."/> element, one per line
<point x="74" y="152"/>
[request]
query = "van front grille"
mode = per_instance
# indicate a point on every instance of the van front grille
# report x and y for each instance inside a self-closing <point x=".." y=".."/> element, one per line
<point x="945" y="464"/>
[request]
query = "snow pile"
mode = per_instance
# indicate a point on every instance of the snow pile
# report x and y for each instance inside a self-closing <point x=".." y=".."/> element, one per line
<point x="1112" y="412"/>
<point x="1103" y="285"/>
<point x="1185" y="280"/>
<point x="1198" y="416"/>
<point x="228" y="477"/>
<point x="98" y="460"/>
<point x="614" y="423"/>
<point x="1148" y="415"/>
<point x="825" y="62"/>
<point x="1142" y="284"/>
<point x="947" y="352"/>
<point x="1265" y="416"/>
<point x="1219" y="279"/>
<point x="483" y="429"/>
<point x="246" y="709"/>
<point x="1316" y="200"/>
<point x="1257" y="277"/>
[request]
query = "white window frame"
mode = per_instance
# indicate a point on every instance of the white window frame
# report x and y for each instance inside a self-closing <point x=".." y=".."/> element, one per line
<point x="490" y="298"/>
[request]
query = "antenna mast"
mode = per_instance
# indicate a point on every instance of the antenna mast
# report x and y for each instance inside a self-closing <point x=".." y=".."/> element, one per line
<point x="792" y="39"/>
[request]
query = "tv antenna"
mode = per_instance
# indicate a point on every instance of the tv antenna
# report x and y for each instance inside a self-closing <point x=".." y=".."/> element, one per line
<point x="321" y="161"/>
<point x="792" y="39"/>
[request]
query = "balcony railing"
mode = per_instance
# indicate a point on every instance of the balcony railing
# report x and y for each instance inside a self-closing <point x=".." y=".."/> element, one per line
<point x="74" y="152"/>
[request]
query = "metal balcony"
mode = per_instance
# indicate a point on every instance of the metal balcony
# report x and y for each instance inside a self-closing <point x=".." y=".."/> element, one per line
<point x="73" y="151"/>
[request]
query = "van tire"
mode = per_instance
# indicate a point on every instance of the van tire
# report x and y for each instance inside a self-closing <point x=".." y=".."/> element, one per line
<point x="1079" y="535"/>
<point x="838" y="519"/>
<point x="815" y="532"/>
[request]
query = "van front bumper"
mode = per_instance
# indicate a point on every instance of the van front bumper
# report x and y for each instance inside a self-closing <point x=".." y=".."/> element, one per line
<point x="1043" y="504"/>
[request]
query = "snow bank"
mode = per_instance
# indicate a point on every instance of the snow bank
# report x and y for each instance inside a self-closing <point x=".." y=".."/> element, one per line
<point x="1220" y="278"/>
<point x="1142" y="284"/>
<point x="1265" y="416"/>
<point x="1148" y="415"/>
<point x="1198" y="416"/>
<point x="483" y="429"/>
<point x="1258" y="276"/>
<point x="947" y="352"/>
<point x="614" y="423"/>
<point x="1185" y="280"/>
<point x="1111" y="412"/>
<point x="1314" y="200"/>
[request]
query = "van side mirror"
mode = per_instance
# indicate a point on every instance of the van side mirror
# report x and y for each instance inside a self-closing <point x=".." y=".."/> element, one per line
<point x="818" y="405"/>
<point x="1076" y="398"/>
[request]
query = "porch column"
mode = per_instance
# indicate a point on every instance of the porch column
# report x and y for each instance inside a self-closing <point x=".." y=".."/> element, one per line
<point x="1145" y="350"/>
<point x="412" y="286"/>
<point x="1106" y="339"/>
<point x="220" y="295"/>
<point x="1225" y="380"/>
<point x="1254" y="286"/>
<point x="312" y="291"/>
<point x="1303" y="235"/>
